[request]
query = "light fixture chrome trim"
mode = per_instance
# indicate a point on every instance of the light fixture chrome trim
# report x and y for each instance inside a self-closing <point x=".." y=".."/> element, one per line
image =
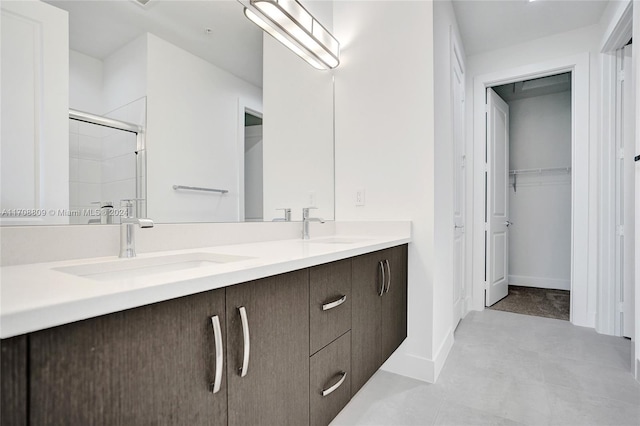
<point x="292" y="25"/>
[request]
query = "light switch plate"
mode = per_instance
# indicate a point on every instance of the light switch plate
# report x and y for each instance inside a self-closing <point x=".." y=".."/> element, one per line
<point x="360" y="197"/>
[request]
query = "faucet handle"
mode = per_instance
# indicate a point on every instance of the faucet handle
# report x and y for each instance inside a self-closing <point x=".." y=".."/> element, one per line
<point x="287" y="213"/>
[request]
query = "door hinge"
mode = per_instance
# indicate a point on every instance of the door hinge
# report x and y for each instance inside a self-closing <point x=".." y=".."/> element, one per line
<point x="486" y="108"/>
<point x="620" y="230"/>
<point x="620" y="75"/>
<point x="621" y="154"/>
<point x="621" y="307"/>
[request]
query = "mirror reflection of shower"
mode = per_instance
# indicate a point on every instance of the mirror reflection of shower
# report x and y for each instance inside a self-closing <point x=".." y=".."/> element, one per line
<point x="106" y="165"/>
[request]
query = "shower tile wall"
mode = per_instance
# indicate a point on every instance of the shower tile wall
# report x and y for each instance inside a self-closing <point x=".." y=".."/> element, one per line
<point x="102" y="162"/>
<point x="84" y="167"/>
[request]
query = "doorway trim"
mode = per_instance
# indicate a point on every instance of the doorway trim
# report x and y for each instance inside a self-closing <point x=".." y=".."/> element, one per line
<point x="245" y="105"/>
<point x="583" y="309"/>
<point x="618" y="34"/>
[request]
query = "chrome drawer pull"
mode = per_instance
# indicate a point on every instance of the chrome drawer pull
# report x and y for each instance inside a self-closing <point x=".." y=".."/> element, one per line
<point x="334" y="304"/>
<point x="217" y="337"/>
<point x="247" y="341"/>
<point x="388" y="275"/>
<point x="382" y="284"/>
<point x="330" y="389"/>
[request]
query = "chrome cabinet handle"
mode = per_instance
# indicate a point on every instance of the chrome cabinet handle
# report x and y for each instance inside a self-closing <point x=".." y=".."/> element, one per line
<point x="330" y="389"/>
<point x="217" y="337"/>
<point x="382" y="283"/>
<point x="334" y="304"/>
<point x="247" y="341"/>
<point x="386" y="261"/>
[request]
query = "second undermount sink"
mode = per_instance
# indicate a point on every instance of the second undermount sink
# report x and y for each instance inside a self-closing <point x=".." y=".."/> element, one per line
<point x="143" y="266"/>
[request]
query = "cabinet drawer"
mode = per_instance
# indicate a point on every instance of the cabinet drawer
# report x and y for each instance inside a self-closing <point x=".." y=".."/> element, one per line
<point x="330" y="374"/>
<point x="330" y="303"/>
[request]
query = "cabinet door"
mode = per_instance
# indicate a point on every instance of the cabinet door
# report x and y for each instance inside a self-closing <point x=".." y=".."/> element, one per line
<point x="13" y="387"/>
<point x="366" y="302"/>
<point x="275" y="388"/>
<point x="150" y="365"/>
<point x="394" y="302"/>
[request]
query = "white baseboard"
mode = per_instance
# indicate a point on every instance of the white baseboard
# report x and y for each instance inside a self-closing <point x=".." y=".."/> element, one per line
<point x="540" y="282"/>
<point x="442" y="354"/>
<point x="409" y="365"/>
<point x="419" y="367"/>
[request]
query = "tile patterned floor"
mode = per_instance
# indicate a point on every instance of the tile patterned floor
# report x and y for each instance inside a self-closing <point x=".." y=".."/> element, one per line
<point x="510" y="369"/>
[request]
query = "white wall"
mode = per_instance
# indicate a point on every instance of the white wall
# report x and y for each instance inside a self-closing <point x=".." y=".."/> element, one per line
<point x="385" y="145"/>
<point x="557" y="47"/>
<point x="298" y="134"/>
<point x="540" y="207"/>
<point x="125" y="74"/>
<point x="85" y="83"/>
<point x="192" y="119"/>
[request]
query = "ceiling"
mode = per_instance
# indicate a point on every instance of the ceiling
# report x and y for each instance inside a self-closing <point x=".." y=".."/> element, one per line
<point x="488" y="24"/>
<point x="98" y="28"/>
<point x="537" y="87"/>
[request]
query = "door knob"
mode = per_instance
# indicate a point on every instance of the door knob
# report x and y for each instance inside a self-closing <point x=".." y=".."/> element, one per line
<point x="508" y="222"/>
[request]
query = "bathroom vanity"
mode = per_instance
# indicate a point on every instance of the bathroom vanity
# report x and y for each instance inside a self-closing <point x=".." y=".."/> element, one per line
<point x="283" y="339"/>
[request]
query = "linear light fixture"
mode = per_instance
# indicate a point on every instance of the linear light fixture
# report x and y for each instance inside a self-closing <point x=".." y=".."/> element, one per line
<point x="292" y="25"/>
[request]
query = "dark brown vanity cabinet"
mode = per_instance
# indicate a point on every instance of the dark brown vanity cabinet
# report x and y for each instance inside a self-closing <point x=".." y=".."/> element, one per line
<point x="379" y="310"/>
<point x="13" y="381"/>
<point x="273" y="388"/>
<point x="150" y="365"/>
<point x="290" y="349"/>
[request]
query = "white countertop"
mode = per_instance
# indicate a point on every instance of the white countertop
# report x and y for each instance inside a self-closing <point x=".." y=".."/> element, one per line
<point x="36" y="296"/>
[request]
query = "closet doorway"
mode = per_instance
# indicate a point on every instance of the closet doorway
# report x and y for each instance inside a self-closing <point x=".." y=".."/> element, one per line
<point x="528" y="190"/>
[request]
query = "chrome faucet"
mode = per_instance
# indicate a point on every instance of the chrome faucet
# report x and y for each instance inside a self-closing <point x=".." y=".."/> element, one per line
<point x="127" y="229"/>
<point x="305" y="221"/>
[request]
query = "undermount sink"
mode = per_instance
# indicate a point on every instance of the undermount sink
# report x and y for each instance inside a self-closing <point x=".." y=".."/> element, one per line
<point x="143" y="266"/>
<point x="336" y="240"/>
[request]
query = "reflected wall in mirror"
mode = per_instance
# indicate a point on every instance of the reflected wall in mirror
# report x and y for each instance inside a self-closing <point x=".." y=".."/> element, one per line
<point x="215" y="114"/>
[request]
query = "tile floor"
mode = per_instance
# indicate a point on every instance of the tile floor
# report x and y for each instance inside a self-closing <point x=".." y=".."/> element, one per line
<point x="509" y="369"/>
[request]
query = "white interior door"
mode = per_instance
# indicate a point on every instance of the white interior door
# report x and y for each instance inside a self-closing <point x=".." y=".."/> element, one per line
<point x="625" y="192"/>
<point x="459" y="196"/>
<point x="497" y="201"/>
<point x="34" y="147"/>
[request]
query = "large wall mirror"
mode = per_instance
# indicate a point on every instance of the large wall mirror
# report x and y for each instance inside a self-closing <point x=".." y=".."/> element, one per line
<point x="182" y="106"/>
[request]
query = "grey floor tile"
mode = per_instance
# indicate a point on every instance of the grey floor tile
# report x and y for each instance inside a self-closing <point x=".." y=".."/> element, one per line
<point x="570" y="407"/>
<point x="454" y="414"/>
<point x="507" y="368"/>
<point x="588" y="378"/>
<point x="499" y="394"/>
<point x="389" y="399"/>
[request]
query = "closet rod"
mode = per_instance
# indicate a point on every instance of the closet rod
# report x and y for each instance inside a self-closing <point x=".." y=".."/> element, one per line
<point x="515" y="173"/>
<point x="539" y="171"/>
